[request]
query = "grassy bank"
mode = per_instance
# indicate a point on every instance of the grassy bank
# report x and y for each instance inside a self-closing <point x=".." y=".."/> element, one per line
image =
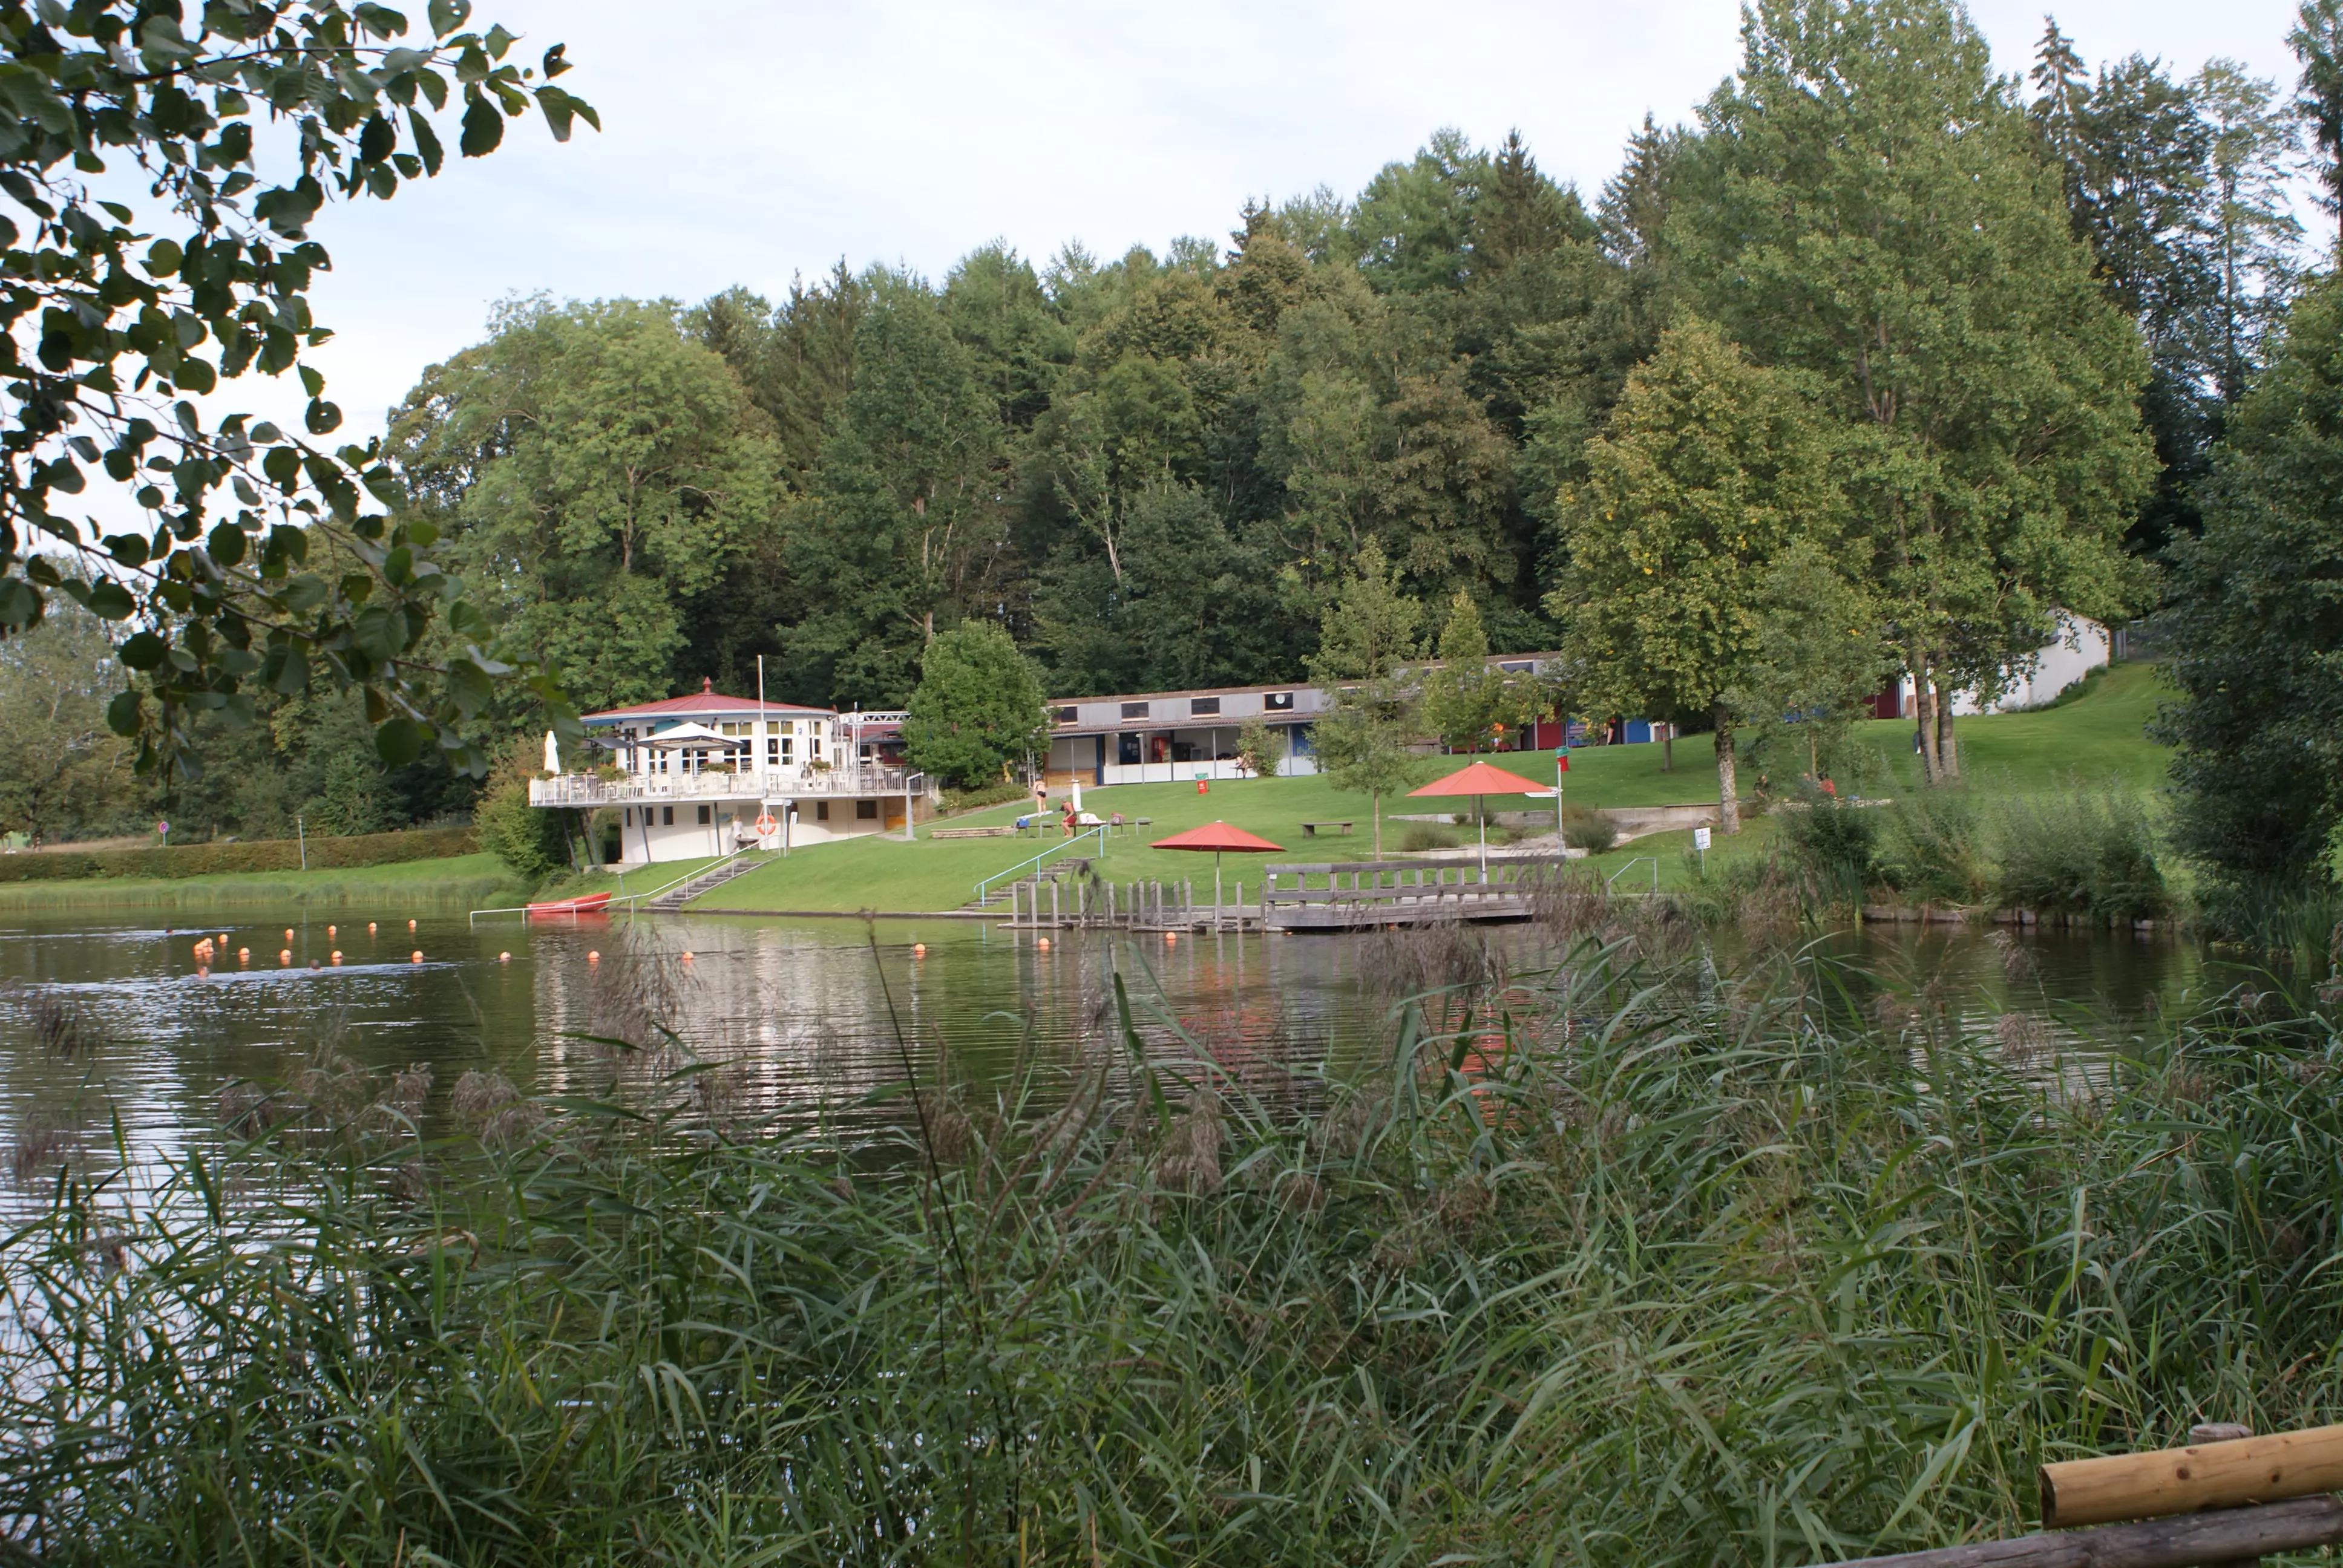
<point x="2097" y="737"/>
<point x="1735" y="1278"/>
<point x="460" y="882"/>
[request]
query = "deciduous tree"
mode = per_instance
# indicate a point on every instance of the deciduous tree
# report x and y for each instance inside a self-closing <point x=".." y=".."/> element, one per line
<point x="1710" y="471"/>
<point x="977" y="708"/>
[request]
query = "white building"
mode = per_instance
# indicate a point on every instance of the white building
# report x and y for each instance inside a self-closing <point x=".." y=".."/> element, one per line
<point x="2077" y="648"/>
<point x="707" y="774"/>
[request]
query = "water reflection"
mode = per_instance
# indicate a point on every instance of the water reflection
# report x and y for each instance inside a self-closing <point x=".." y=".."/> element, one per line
<point x="813" y="1019"/>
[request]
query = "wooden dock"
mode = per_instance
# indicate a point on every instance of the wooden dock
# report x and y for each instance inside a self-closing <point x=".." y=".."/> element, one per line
<point x="1327" y="896"/>
<point x="1338" y="896"/>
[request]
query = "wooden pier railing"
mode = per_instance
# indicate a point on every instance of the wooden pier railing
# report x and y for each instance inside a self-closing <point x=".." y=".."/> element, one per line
<point x="2228" y="1498"/>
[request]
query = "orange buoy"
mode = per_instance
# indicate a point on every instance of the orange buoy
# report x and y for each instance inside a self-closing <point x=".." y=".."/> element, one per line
<point x="369" y="927"/>
<point x="593" y="957"/>
<point x="285" y="956"/>
<point x="415" y="957"/>
<point x="1170" y="936"/>
<point x="288" y="934"/>
<point x="919" y="949"/>
<point x="504" y="958"/>
<point x="202" y="972"/>
<point x="337" y="956"/>
<point x="244" y="955"/>
<point x="1043" y="944"/>
<point x="333" y="930"/>
<point x="687" y="956"/>
<point x="223" y="942"/>
<point x="410" y="925"/>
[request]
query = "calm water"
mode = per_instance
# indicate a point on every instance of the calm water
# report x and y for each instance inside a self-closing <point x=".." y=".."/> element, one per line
<point x="804" y="1009"/>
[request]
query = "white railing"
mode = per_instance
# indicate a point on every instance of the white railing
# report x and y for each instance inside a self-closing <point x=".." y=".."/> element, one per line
<point x="587" y="789"/>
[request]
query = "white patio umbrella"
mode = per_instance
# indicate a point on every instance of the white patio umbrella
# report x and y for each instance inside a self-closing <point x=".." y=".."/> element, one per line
<point x="552" y="755"/>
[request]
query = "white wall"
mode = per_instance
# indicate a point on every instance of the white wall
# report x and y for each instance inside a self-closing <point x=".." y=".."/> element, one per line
<point x="2079" y="646"/>
<point x="688" y="839"/>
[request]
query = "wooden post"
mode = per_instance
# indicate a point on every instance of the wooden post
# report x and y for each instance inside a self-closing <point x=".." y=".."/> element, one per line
<point x="1053" y="902"/>
<point x="2226" y="1474"/>
<point x="2190" y="1541"/>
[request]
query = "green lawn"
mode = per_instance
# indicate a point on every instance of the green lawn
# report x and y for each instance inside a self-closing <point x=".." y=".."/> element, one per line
<point x="2097" y="737"/>
<point x="460" y="882"/>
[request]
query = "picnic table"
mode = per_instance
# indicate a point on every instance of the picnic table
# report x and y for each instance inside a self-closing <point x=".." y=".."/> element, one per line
<point x="1118" y="823"/>
<point x="1309" y="829"/>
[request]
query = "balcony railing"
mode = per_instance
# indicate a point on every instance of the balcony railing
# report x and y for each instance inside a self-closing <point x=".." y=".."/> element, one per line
<point x="587" y="789"/>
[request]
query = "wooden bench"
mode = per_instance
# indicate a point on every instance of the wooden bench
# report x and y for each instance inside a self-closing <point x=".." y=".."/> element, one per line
<point x="1003" y="831"/>
<point x="1309" y="829"/>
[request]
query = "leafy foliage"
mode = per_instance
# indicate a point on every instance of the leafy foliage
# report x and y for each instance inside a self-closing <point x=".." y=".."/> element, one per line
<point x="106" y="347"/>
<point x="977" y="709"/>
<point x="2254" y="633"/>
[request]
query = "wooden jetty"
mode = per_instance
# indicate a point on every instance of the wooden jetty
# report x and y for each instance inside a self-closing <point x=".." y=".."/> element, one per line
<point x="1325" y="896"/>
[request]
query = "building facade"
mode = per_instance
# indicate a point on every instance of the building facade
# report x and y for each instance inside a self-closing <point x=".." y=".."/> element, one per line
<point x="1164" y="736"/>
<point x="711" y="773"/>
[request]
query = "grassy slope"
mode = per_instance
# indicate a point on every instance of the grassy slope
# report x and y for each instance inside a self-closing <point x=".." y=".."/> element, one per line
<point x="462" y="882"/>
<point x="2097" y="737"/>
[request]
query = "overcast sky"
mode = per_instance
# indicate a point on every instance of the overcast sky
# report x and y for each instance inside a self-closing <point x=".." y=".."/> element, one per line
<point x="744" y="142"/>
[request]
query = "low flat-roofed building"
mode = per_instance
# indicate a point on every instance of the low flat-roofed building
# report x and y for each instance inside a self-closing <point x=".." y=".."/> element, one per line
<point x="1163" y="737"/>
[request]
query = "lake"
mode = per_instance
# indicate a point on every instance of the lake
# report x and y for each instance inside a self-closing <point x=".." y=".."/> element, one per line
<point x="811" y="1019"/>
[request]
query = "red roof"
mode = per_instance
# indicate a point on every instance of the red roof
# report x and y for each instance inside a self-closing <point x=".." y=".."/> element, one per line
<point x="707" y="699"/>
<point x="1483" y="779"/>
<point x="1218" y="836"/>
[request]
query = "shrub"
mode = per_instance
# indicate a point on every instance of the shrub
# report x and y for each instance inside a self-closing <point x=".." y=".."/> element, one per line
<point x="982" y="795"/>
<point x="531" y="839"/>
<point x="1257" y="749"/>
<point x="2079" y="852"/>
<point x="1582" y="827"/>
<point x="1424" y="836"/>
<point x="257" y="855"/>
<point x="1833" y="841"/>
<point x="1928" y="846"/>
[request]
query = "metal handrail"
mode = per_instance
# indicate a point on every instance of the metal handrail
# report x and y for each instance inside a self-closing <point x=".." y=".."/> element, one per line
<point x="984" y="884"/>
<point x="1630" y="866"/>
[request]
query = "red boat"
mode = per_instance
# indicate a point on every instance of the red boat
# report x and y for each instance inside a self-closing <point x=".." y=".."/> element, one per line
<point x="587" y="904"/>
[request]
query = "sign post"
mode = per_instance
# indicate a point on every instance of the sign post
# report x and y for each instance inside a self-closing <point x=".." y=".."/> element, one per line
<point x="1700" y="843"/>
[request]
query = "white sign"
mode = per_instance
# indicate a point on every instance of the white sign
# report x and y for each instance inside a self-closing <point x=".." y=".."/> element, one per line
<point x="1700" y="838"/>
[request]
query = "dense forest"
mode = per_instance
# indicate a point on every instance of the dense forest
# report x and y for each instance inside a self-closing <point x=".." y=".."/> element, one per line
<point x="1966" y="344"/>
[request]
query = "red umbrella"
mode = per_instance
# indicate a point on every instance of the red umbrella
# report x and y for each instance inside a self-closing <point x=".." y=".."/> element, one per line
<point x="1480" y="778"/>
<point x="1219" y="837"/>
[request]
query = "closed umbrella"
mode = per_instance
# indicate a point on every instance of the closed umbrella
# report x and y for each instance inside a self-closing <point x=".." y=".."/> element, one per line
<point x="552" y="755"/>
<point x="1480" y="779"/>
<point x="1219" y="839"/>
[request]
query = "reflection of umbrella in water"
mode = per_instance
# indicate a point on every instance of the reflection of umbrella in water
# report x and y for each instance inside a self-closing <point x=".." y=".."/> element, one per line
<point x="1477" y="780"/>
<point x="1219" y="839"/>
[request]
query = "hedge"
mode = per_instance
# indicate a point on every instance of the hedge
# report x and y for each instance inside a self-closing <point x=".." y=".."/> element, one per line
<point x="257" y="855"/>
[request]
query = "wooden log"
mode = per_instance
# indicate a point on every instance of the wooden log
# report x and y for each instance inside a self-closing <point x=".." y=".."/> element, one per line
<point x="2265" y="1469"/>
<point x="2197" y="1539"/>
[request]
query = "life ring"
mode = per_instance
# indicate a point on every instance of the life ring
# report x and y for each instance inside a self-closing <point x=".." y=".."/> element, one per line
<point x="765" y="826"/>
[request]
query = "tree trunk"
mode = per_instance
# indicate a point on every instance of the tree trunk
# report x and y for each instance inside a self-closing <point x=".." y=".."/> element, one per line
<point x="1923" y="717"/>
<point x="1728" y="808"/>
<point x="1948" y="758"/>
<point x="1376" y="803"/>
<point x="1668" y="749"/>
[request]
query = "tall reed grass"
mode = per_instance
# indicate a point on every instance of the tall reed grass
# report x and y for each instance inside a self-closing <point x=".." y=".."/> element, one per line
<point x="1629" y="1263"/>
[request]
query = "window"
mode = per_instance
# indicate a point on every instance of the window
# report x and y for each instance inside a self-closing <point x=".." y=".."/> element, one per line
<point x="667" y="816"/>
<point x="817" y="747"/>
<point x="703" y="816"/>
<point x="786" y="727"/>
<point x="773" y="750"/>
<point x="631" y="817"/>
<point x="1202" y="707"/>
<point x="1134" y="711"/>
<point x="1519" y="667"/>
<point x="1063" y="715"/>
<point x="1277" y="701"/>
<point x="866" y="810"/>
<point x="822" y="810"/>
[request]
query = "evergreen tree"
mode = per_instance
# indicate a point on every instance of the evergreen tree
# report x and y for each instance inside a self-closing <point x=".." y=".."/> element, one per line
<point x="1367" y="639"/>
<point x="2317" y="39"/>
<point x="2254" y="629"/>
<point x="905" y="528"/>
